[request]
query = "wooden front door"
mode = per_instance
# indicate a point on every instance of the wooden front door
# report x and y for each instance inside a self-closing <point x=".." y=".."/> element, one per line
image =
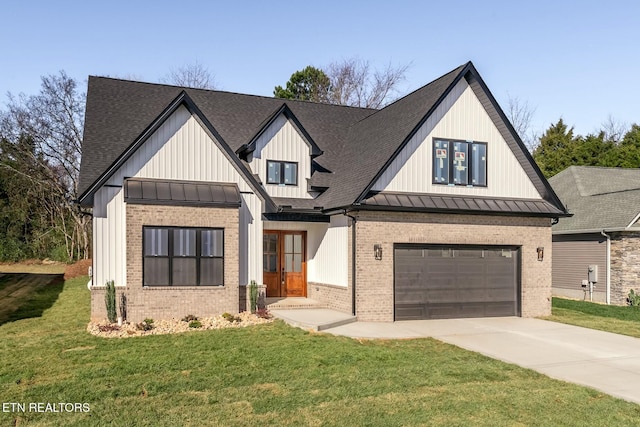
<point x="284" y="263"/>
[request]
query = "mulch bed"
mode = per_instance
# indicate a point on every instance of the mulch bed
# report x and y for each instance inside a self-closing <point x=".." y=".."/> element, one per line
<point x="80" y="268"/>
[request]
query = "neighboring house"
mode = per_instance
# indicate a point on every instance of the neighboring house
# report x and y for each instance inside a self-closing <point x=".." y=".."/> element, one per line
<point x="428" y="208"/>
<point x="603" y="231"/>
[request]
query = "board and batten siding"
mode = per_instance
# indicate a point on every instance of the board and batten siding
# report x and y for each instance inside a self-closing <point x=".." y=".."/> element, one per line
<point x="282" y="142"/>
<point x="571" y="256"/>
<point x="179" y="149"/>
<point x="327" y="248"/>
<point x="460" y="116"/>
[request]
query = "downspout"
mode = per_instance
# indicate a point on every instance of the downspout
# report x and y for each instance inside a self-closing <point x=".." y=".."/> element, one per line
<point x="608" y="294"/>
<point x="353" y="261"/>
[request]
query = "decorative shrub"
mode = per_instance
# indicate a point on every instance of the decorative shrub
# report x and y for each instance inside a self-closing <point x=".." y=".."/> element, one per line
<point x="253" y="295"/>
<point x="108" y="328"/>
<point x="145" y="325"/>
<point x="633" y="299"/>
<point x="189" y="318"/>
<point x="110" y="301"/>
<point x="263" y="313"/>
<point x="231" y="318"/>
<point x="123" y="307"/>
<point x="195" y="324"/>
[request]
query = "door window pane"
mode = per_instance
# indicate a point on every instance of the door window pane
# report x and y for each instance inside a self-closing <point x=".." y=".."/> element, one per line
<point x="288" y="263"/>
<point x="460" y="169"/>
<point x="440" y="162"/>
<point x="156" y="242"/>
<point x="288" y="243"/>
<point x="297" y="243"/>
<point x="184" y="242"/>
<point x="297" y="263"/>
<point x="479" y="164"/>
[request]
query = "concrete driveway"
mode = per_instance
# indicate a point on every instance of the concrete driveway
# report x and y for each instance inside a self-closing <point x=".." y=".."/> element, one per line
<point x="601" y="360"/>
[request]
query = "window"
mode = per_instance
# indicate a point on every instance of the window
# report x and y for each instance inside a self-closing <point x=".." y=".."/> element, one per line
<point x="282" y="173"/>
<point x="183" y="256"/>
<point x="459" y="163"/>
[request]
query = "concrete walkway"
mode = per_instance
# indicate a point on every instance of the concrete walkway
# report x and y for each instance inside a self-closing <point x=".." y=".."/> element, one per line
<point x="601" y="360"/>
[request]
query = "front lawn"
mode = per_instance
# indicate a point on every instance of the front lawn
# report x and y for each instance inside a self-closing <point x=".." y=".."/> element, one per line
<point x="609" y="318"/>
<point x="272" y="375"/>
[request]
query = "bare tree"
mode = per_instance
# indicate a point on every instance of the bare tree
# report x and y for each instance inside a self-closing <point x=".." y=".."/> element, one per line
<point x="520" y="114"/>
<point x="53" y="120"/>
<point x="193" y="75"/>
<point x="614" y="130"/>
<point x="354" y="83"/>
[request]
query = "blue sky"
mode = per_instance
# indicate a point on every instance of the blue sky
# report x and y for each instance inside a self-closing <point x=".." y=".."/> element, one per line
<point x="570" y="59"/>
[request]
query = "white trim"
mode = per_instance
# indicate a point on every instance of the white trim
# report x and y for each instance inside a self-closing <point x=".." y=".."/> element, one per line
<point x="635" y="219"/>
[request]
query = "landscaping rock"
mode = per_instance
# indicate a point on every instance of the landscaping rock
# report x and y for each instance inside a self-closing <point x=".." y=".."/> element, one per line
<point x="161" y="327"/>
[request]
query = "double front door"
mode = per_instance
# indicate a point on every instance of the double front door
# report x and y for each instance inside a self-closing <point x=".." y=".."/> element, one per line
<point x="284" y="263"/>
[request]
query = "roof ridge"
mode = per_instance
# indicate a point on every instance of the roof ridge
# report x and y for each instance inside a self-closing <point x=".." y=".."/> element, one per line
<point x="284" y="100"/>
<point x="578" y="181"/>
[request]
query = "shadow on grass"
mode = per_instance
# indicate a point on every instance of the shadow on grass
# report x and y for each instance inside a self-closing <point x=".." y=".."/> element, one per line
<point x="24" y="296"/>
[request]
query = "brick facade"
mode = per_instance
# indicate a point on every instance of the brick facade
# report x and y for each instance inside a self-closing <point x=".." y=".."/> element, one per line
<point x="176" y="302"/>
<point x="334" y="296"/>
<point x="625" y="265"/>
<point x="374" y="279"/>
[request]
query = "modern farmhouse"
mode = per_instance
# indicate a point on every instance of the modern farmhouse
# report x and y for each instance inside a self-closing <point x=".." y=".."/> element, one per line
<point x="428" y="208"/>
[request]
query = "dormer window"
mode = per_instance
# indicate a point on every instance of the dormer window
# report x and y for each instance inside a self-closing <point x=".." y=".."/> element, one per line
<point x="282" y="173"/>
<point x="459" y="163"/>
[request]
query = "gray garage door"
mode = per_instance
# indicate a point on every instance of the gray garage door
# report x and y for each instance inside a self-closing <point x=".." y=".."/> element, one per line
<point x="443" y="282"/>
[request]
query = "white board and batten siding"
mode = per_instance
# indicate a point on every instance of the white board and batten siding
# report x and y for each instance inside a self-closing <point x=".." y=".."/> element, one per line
<point x="180" y="149"/>
<point x="460" y="116"/>
<point x="281" y="141"/>
<point x="327" y="248"/>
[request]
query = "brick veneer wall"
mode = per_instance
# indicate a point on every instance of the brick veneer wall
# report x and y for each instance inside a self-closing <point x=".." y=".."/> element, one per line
<point x="176" y="302"/>
<point x="625" y="265"/>
<point x="374" y="279"/>
<point x="334" y="296"/>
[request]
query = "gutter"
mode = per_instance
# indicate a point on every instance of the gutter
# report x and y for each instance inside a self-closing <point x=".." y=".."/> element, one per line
<point x="596" y="230"/>
<point x="353" y="261"/>
<point x="608" y="292"/>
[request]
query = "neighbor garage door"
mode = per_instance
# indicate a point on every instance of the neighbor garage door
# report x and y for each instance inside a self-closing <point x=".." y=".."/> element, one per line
<point x="443" y="282"/>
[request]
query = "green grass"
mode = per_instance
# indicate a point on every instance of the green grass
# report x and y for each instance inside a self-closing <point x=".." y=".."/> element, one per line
<point x="273" y="375"/>
<point x="611" y="318"/>
<point x="27" y="295"/>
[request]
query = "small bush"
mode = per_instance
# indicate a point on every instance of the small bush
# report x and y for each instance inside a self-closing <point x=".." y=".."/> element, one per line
<point x="195" y="324"/>
<point x="230" y="317"/>
<point x="110" y="301"/>
<point x="263" y="313"/>
<point x="145" y="325"/>
<point x="123" y="307"/>
<point x="189" y="318"/>
<point x="253" y="295"/>
<point x="633" y="299"/>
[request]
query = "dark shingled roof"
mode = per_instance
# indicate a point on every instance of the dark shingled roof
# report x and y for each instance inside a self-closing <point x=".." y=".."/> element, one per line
<point x="356" y="143"/>
<point x="599" y="198"/>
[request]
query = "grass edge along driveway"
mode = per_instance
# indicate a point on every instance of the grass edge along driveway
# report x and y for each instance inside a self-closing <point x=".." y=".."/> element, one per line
<point x="272" y="375"/>
<point x="621" y="320"/>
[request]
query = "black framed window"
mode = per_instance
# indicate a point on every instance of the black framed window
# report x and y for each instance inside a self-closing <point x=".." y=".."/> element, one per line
<point x="282" y="173"/>
<point x="459" y="162"/>
<point x="178" y="256"/>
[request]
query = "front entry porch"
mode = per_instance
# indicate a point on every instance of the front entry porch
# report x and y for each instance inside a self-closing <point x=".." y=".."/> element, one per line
<point x="285" y="263"/>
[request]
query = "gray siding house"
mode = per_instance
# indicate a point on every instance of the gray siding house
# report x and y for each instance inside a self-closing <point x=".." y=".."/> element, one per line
<point x="428" y="208"/>
<point x="603" y="231"/>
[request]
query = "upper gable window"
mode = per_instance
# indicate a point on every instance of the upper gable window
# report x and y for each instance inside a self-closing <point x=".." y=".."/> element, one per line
<point x="459" y="162"/>
<point x="282" y="173"/>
